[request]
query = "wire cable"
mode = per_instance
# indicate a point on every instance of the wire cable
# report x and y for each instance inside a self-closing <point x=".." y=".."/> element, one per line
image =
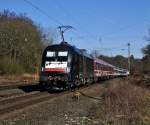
<point x="75" y="21"/>
<point x="43" y="12"/>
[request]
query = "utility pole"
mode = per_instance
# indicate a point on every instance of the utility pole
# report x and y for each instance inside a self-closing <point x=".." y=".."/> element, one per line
<point x="129" y="64"/>
<point x="100" y="42"/>
<point x="62" y="30"/>
<point x="111" y="55"/>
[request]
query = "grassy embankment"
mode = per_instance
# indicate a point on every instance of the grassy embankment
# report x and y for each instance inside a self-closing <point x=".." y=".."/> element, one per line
<point x="124" y="103"/>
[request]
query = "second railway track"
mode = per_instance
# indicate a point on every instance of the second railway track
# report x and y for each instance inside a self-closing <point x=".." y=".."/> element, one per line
<point x="11" y="106"/>
<point x="6" y="86"/>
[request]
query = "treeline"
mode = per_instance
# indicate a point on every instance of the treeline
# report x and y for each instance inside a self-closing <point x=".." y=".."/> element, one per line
<point x="146" y="58"/>
<point x="21" y="44"/>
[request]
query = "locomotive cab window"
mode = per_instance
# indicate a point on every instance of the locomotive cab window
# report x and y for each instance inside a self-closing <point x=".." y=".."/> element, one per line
<point x="50" y="54"/>
<point x="62" y="56"/>
<point x="63" y="53"/>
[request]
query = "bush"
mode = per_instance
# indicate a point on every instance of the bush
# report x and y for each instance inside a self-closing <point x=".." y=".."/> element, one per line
<point x="7" y="67"/>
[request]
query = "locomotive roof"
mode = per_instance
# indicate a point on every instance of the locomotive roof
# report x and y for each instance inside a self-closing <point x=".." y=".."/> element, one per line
<point x="67" y="46"/>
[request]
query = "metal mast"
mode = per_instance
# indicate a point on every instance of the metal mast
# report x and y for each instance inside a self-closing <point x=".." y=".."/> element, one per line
<point x="129" y="64"/>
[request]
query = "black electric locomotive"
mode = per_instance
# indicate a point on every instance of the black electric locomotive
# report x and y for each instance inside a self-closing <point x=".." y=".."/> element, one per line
<point x="65" y="66"/>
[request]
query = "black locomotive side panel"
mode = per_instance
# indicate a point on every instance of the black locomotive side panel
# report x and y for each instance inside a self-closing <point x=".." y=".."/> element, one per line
<point x="82" y="70"/>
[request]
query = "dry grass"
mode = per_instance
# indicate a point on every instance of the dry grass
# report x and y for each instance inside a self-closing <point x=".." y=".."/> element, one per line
<point x="123" y="104"/>
<point x="18" y="78"/>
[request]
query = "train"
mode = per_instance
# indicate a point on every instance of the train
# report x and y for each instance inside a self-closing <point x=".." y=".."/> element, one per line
<point x="64" y="66"/>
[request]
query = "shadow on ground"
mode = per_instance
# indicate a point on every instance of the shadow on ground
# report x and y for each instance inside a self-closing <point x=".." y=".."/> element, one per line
<point x="36" y="87"/>
<point x="29" y="88"/>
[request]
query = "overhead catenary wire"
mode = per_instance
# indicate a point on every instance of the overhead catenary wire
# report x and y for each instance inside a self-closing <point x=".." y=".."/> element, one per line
<point x="43" y="12"/>
<point x="48" y="16"/>
<point x="90" y="13"/>
<point x="79" y="36"/>
<point x="60" y="23"/>
<point x="120" y="29"/>
<point x="68" y="14"/>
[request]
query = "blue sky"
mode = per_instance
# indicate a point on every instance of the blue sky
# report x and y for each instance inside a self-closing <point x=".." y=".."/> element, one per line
<point x="104" y="25"/>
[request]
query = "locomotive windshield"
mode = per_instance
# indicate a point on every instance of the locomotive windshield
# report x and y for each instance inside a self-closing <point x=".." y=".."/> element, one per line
<point x="51" y="56"/>
<point x="62" y="56"/>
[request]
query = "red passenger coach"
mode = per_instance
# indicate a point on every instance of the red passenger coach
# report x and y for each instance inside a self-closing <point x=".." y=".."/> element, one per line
<point x="102" y="69"/>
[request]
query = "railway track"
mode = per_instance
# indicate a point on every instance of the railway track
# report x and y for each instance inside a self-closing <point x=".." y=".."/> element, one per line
<point x="12" y="105"/>
<point x="9" y="106"/>
<point x="17" y="90"/>
<point x="13" y="99"/>
<point x="10" y="93"/>
<point x="6" y="86"/>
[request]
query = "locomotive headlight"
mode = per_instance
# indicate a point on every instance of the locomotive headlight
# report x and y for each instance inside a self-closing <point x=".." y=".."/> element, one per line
<point x="68" y="69"/>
